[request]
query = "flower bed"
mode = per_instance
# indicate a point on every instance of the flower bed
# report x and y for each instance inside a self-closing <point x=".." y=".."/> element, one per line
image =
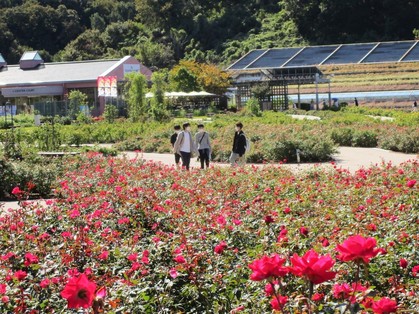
<point x="125" y="236"/>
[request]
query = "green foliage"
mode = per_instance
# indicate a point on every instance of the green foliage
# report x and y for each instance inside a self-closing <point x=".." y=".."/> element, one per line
<point x="132" y="144"/>
<point x="105" y="151"/>
<point x="47" y="136"/>
<point x="83" y="118"/>
<point x="253" y="106"/>
<point x="158" y="106"/>
<point x="110" y="113"/>
<point x="77" y="99"/>
<point x="327" y="21"/>
<point x="10" y="144"/>
<point x="183" y="80"/>
<point x="342" y="136"/>
<point x="160" y="34"/>
<point x="361" y="138"/>
<point x="136" y="90"/>
<point x="30" y="177"/>
<point x="405" y="142"/>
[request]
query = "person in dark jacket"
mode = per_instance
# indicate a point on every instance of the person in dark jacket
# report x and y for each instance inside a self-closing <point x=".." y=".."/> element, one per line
<point x="239" y="147"/>
<point x="173" y="139"/>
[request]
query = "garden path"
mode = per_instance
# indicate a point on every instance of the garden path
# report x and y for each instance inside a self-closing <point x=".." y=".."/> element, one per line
<point x="351" y="158"/>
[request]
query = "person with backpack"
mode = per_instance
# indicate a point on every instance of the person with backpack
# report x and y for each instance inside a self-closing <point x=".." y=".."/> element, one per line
<point x="173" y="139"/>
<point x="185" y="145"/>
<point x="202" y="142"/>
<point x="239" y="146"/>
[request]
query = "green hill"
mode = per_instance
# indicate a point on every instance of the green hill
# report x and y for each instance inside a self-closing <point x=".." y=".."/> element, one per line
<point x="159" y="33"/>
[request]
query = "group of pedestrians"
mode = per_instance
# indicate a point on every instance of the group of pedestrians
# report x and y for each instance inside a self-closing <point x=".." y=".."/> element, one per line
<point x="185" y="146"/>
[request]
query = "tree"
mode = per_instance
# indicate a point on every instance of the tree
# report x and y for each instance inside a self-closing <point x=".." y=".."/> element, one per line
<point x="88" y="46"/>
<point x="182" y="79"/>
<point x="190" y="75"/>
<point x="158" y="107"/>
<point x="77" y="99"/>
<point x="330" y="21"/>
<point x="135" y="89"/>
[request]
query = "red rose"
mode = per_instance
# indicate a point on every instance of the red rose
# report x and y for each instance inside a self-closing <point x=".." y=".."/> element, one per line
<point x="415" y="271"/>
<point x="104" y="255"/>
<point x="384" y="306"/>
<point x="180" y="259"/>
<point x="313" y="266"/>
<point x="17" y="191"/>
<point x="268" y="219"/>
<point x="20" y="275"/>
<point x="278" y="303"/>
<point x="219" y="249"/>
<point x="45" y="283"/>
<point x="410" y="183"/>
<point x="79" y="292"/>
<point x="304" y="231"/>
<point x="368" y="302"/>
<point x="30" y="259"/>
<point x="403" y="263"/>
<point x="270" y="288"/>
<point x="357" y="248"/>
<point x="342" y="291"/>
<point x="317" y="297"/>
<point x="268" y="267"/>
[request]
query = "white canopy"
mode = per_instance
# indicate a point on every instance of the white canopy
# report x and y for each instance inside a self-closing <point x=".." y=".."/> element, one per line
<point x="182" y="94"/>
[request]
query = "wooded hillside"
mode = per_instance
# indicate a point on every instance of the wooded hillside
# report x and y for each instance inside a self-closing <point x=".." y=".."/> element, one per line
<point x="161" y="32"/>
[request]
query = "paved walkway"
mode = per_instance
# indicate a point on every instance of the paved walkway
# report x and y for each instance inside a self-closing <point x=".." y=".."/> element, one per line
<point x="351" y="158"/>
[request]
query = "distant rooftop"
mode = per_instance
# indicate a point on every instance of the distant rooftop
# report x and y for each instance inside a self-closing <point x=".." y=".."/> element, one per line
<point x="31" y="56"/>
<point x="58" y="72"/>
<point x="296" y="57"/>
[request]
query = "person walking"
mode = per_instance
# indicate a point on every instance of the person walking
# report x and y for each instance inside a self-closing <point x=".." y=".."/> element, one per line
<point x="415" y="106"/>
<point x="173" y="139"/>
<point x="239" y="146"/>
<point x="185" y="145"/>
<point x="202" y="142"/>
<point x="356" y="102"/>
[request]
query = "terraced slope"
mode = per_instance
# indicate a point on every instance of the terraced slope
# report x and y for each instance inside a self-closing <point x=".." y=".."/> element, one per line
<point x="368" y="77"/>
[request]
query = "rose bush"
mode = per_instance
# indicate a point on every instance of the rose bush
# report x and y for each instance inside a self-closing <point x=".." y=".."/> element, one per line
<point x="159" y="240"/>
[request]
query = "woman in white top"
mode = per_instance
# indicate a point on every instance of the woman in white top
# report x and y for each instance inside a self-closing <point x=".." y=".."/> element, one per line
<point x="185" y="145"/>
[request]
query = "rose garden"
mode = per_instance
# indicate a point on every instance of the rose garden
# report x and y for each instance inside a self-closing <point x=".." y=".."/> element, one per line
<point x="122" y="235"/>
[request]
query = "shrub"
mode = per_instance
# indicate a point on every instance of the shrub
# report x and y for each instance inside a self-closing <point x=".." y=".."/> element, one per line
<point x="256" y="157"/>
<point x="366" y="138"/>
<point x="342" y="136"/>
<point x="281" y="150"/>
<point x="110" y="113"/>
<point x="29" y="177"/>
<point x="401" y="142"/>
<point x="315" y="149"/>
<point x="132" y="144"/>
<point x="105" y="151"/>
<point x="76" y="138"/>
<point x="253" y="106"/>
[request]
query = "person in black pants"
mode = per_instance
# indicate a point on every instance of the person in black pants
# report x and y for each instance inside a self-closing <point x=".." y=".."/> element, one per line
<point x="202" y="141"/>
<point x="239" y="147"/>
<point x="173" y="139"/>
<point x="185" y="145"/>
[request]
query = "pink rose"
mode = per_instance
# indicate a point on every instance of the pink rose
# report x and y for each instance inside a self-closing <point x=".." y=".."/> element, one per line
<point x="266" y="267"/>
<point x="357" y="248"/>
